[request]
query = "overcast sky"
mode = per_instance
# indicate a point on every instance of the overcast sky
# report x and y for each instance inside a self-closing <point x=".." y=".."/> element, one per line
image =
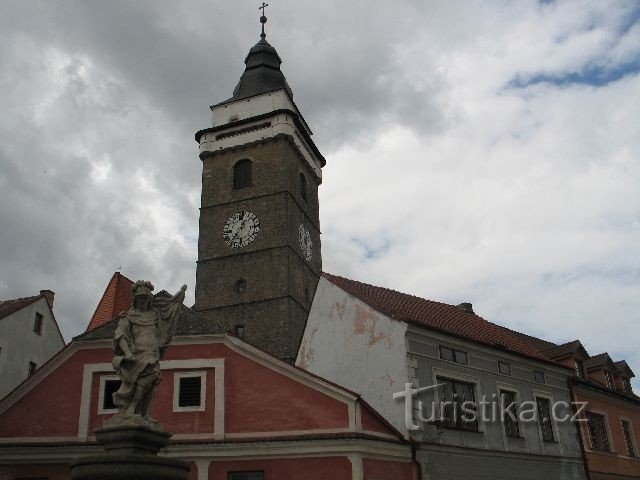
<point x="484" y="151"/>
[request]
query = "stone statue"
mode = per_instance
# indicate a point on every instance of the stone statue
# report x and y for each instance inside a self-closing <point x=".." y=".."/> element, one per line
<point x="142" y="335"/>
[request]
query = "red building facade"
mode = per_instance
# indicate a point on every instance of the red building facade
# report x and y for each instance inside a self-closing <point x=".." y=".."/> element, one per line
<point x="234" y="410"/>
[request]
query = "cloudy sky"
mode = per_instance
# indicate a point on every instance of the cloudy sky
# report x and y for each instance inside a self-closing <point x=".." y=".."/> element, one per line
<point x="483" y="151"/>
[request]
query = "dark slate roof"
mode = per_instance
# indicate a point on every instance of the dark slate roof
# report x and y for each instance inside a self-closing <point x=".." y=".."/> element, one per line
<point x="262" y="73"/>
<point x="435" y="315"/>
<point x="7" y="307"/>
<point x="190" y="324"/>
<point x="624" y="368"/>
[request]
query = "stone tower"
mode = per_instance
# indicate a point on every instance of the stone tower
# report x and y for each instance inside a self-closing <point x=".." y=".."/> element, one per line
<point x="259" y="248"/>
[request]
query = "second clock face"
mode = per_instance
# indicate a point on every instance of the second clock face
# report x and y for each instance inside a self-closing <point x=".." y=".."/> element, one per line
<point x="241" y="229"/>
<point x="306" y="245"/>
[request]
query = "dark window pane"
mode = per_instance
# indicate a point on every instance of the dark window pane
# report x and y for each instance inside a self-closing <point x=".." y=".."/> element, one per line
<point x="453" y="395"/>
<point x="303" y="187"/>
<point x="242" y="174"/>
<point x="510" y="413"/>
<point x="597" y="431"/>
<point x="189" y="395"/>
<point x="37" y="323"/>
<point x="32" y="368"/>
<point x="504" y="368"/>
<point x="110" y="387"/>
<point x="461" y="357"/>
<point x="544" y="417"/>
<point x="246" y="476"/>
<point x="446" y="354"/>
<point x="628" y="439"/>
<point x="539" y="377"/>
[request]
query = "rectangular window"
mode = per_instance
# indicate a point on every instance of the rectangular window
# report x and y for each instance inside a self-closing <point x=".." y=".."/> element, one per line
<point x="544" y="418"/>
<point x="37" y="323"/>
<point x="538" y="377"/>
<point x="509" y="413"/>
<point x="597" y="427"/>
<point x="246" y="476"/>
<point x="608" y="379"/>
<point x="110" y="387"/>
<point x="628" y="438"/>
<point x="458" y="404"/>
<point x="451" y="355"/>
<point x="189" y="391"/>
<point x="32" y="368"/>
<point x="579" y="368"/>
<point x="504" y="368"/>
<point x="627" y="385"/>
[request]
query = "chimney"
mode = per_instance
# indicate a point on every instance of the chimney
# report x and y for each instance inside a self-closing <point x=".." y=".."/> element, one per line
<point x="467" y="307"/>
<point x="48" y="294"/>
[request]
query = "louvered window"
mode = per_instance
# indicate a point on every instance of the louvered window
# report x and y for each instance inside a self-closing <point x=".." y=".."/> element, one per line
<point x="598" y="431"/>
<point x="190" y="392"/>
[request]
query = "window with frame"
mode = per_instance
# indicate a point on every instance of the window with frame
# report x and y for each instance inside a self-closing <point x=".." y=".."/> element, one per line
<point x="242" y="173"/>
<point x="238" y="330"/>
<point x="579" y="368"/>
<point x="190" y="394"/>
<point x="452" y="355"/>
<point x="628" y="438"/>
<point x="246" y="476"/>
<point x="509" y="410"/>
<point x="597" y="426"/>
<point x="458" y="404"/>
<point x="626" y="384"/>
<point x="110" y="386"/>
<point x="33" y="366"/>
<point x="538" y="377"/>
<point x="608" y="378"/>
<point x="504" y="368"/>
<point x="37" y="323"/>
<point x="544" y="419"/>
<point x="303" y="186"/>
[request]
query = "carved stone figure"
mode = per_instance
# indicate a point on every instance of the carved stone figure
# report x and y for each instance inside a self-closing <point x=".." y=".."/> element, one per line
<point x="142" y="335"/>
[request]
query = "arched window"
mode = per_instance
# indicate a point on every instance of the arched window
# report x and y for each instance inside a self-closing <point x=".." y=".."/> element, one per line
<point x="303" y="187"/>
<point x="242" y="174"/>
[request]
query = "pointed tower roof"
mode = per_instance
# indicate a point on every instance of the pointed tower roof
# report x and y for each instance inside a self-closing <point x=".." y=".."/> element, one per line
<point x="262" y="73"/>
<point x="117" y="297"/>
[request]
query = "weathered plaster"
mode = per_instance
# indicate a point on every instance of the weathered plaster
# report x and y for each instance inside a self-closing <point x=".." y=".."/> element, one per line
<point x="19" y="344"/>
<point x="352" y="344"/>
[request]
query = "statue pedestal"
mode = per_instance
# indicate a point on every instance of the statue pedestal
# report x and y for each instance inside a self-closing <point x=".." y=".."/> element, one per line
<point x="131" y="455"/>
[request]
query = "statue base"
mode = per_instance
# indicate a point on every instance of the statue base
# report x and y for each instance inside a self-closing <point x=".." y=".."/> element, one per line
<point x="132" y="448"/>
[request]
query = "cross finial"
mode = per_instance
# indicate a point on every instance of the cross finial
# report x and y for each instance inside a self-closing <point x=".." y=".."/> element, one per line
<point x="263" y="19"/>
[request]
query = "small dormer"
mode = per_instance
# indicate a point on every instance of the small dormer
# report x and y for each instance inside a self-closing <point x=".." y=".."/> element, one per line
<point x="601" y="368"/>
<point x="572" y="355"/>
<point x="622" y="376"/>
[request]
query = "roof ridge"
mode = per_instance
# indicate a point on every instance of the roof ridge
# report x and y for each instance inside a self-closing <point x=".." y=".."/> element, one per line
<point x="440" y="316"/>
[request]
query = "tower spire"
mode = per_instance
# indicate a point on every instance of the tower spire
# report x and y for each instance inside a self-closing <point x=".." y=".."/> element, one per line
<point x="263" y="19"/>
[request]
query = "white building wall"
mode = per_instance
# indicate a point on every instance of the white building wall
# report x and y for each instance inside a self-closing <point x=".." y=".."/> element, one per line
<point x="19" y="344"/>
<point x="348" y="342"/>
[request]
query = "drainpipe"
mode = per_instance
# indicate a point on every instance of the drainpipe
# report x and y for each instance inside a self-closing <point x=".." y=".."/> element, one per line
<point x="571" y="382"/>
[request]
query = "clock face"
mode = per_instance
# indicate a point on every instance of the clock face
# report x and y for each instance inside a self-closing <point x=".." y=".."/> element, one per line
<point x="306" y="245"/>
<point x="241" y="229"/>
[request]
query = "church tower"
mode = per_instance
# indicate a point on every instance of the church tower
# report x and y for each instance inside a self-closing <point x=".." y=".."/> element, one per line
<point x="259" y="247"/>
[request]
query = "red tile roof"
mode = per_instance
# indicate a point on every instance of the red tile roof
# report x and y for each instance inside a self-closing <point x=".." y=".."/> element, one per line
<point x="438" y="316"/>
<point x="7" y="307"/>
<point x="116" y="298"/>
